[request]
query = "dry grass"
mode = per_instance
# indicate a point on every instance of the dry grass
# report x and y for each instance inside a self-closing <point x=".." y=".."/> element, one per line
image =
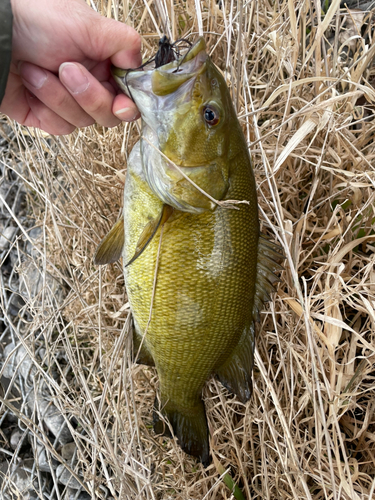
<point x="306" y="106"/>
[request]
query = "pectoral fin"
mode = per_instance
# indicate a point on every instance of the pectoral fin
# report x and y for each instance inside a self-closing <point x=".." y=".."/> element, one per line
<point x="110" y="248"/>
<point x="149" y="232"/>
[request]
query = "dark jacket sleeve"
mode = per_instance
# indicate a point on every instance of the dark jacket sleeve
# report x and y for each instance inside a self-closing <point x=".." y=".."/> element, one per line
<point x="6" y="21"/>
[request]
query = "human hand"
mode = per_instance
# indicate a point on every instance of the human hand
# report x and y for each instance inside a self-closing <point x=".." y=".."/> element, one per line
<point x="60" y="72"/>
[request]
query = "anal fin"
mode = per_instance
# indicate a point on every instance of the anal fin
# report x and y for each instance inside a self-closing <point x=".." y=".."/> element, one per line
<point x="189" y="426"/>
<point x="236" y="373"/>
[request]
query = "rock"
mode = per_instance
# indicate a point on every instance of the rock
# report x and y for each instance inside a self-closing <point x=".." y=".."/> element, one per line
<point x="16" y="437"/>
<point x="42" y="352"/>
<point x="18" y="482"/>
<point x="5" y="189"/>
<point x="51" y="416"/>
<point x="64" y="476"/>
<point x="20" y="357"/>
<point x="14" y="396"/>
<point x="6" y="237"/>
<point x="33" y="279"/>
<point x="72" y="494"/>
<point x="68" y="451"/>
<point x="15" y="304"/>
<point x="33" y="276"/>
<point x="48" y="411"/>
<point x="41" y="458"/>
<point x="35" y="234"/>
<point x="3" y="471"/>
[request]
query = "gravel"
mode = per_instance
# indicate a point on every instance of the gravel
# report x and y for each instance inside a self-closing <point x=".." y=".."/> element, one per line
<point x="37" y="445"/>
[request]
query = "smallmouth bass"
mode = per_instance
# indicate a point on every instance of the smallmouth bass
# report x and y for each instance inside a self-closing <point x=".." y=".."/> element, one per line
<point x="201" y="268"/>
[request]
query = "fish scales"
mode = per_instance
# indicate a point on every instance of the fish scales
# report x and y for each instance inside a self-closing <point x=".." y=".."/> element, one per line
<point x="214" y="269"/>
<point x="191" y="297"/>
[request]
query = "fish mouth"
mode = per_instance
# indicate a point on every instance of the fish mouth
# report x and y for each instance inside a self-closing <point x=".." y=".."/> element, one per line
<point x="166" y="79"/>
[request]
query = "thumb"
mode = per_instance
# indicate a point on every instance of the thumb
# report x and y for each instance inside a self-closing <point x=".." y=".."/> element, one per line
<point x="110" y="39"/>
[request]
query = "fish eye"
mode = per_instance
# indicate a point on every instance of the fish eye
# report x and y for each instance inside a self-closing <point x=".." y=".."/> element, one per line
<point x="211" y="115"/>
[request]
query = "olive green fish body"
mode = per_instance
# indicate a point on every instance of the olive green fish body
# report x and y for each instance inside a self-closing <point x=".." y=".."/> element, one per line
<point x="204" y="290"/>
<point x="194" y="306"/>
<point x="205" y="283"/>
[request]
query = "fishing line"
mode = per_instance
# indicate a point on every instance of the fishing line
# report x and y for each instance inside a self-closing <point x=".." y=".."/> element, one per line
<point x="153" y="291"/>
<point x="166" y="53"/>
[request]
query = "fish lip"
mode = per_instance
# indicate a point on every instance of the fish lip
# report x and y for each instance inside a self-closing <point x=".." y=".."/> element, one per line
<point x="167" y="81"/>
<point x="184" y="68"/>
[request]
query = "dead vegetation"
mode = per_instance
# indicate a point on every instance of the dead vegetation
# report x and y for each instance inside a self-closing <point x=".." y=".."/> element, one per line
<point x="302" y="78"/>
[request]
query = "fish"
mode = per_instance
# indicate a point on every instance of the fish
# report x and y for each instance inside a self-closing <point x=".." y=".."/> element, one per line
<point x="197" y="269"/>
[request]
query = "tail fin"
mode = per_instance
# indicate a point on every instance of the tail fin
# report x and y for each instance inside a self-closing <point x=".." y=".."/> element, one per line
<point x="189" y="426"/>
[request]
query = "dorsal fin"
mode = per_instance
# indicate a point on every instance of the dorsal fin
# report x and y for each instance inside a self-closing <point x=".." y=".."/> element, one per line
<point x="270" y="257"/>
<point x="110" y="248"/>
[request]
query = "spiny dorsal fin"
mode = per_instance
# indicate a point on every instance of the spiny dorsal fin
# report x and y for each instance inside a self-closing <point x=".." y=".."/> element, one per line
<point x="149" y="232"/>
<point x="269" y="261"/>
<point x="110" y="248"/>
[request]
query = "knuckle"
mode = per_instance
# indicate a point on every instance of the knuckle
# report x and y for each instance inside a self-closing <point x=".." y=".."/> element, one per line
<point x="55" y="125"/>
<point x="68" y="130"/>
<point x="62" y="100"/>
<point x="97" y="107"/>
<point x="135" y="42"/>
<point x="101" y="110"/>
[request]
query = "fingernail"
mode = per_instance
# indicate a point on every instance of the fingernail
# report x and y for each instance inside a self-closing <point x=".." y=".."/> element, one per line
<point x="127" y="114"/>
<point x="33" y="75"/>
<point x="73" y="78"/>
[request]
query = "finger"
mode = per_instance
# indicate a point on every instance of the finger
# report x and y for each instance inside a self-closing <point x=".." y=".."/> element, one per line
<point x="125" y="109"/>
<point x="40" y="116"/>
<point x="100" y="70"/>
<point x="14" y="103"/>
<point x="93" y="97"/>
<point x="110" y="88"/>
<point x="110" y="39"/>
<point x="49" y="90"/>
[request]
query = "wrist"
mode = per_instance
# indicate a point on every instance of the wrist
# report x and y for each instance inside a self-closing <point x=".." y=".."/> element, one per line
<point x="6" y="22"/>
